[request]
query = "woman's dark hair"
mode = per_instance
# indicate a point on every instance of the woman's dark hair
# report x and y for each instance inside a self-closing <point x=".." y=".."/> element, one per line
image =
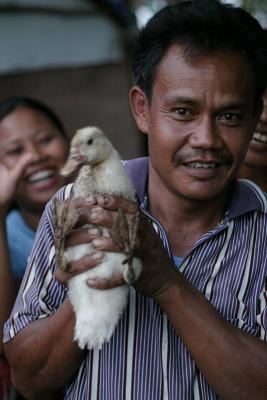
<point x="10" y="104"/>
<point x="202" y="27"/>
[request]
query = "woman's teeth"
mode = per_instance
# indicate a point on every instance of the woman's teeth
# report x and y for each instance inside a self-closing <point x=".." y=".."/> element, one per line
<point x="40" y="176"/>
<point x="259" y="138"/>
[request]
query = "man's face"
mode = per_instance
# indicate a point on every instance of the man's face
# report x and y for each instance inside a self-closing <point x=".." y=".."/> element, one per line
<point x="199" y="122"/>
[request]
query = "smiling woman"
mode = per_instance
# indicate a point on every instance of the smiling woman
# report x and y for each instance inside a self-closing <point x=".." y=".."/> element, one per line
<point x="33" y="148"/>
<point x="254" y="166"/>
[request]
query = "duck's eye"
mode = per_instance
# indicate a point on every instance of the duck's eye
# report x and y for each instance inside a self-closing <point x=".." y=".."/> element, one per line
<point x="90" y="141"/>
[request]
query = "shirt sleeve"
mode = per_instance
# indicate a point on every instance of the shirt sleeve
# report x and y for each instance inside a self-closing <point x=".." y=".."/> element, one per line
<point x="40" y="293"/>
<point x="262" y="315"/>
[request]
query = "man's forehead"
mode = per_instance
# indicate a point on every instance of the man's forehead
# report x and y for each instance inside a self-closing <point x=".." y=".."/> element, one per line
<point x="218" y="80"/>
<point x="191" y="56"/>
<point x="224" y="66"/>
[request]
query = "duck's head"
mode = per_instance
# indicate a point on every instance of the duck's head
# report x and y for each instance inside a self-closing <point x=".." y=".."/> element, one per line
<point x="89" y="146"/>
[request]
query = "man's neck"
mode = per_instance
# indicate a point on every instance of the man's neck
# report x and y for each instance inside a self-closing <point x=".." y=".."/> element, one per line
<point x="184" y="220"/>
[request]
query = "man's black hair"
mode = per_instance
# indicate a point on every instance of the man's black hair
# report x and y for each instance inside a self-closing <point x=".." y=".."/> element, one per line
<point x="202" y="27"/>
<point x="10" y="104"/>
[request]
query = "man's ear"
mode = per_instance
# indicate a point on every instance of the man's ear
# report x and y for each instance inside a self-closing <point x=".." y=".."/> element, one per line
<point x="140" y="108"/>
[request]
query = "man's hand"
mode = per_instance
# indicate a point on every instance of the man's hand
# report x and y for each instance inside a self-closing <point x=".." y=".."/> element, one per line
<point x="81" y="235"/>
<point x="158" y="272"/>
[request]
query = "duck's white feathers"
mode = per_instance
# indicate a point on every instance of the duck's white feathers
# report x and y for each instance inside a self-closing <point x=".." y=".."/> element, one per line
<point x="97" y="312"/>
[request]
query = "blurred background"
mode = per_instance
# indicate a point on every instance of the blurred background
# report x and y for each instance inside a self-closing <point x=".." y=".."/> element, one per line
<point x="75" y="56"/>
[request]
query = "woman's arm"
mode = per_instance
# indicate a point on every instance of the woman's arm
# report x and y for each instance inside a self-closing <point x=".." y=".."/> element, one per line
<point x="8" y="179"/>
<point x="7" y="284"/>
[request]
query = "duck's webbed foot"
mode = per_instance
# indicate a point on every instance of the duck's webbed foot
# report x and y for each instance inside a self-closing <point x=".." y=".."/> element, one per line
<point x="124" y="232"/>
<point x="64" y="218"/>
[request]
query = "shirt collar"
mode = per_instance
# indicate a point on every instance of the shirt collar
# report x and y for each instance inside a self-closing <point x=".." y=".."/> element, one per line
<point x="246" y="196"/>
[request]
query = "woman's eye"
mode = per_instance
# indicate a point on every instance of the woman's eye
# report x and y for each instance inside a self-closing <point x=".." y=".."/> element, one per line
<point x="46" y="139"/>
<point x="14" y="152"/>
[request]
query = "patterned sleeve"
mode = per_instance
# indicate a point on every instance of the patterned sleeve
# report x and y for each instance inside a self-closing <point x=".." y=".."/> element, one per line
<point x="40" y="293"/>
<point x="262" y="315"/>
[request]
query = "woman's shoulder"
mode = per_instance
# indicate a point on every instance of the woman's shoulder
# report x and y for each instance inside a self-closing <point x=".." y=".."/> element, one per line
<point x="16" y="224"/>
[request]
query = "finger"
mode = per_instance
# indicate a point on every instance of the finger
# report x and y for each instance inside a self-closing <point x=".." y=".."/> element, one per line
<point x="76" y="267"/>
<point x="98" y="216"/>
<point x="17" y="171"/>
<point x="82" y="235"/>
<point x="83" y="207"/>
<point x="105" y="284"/>
<point x="114" y="203"/>
<point x="88" y="202"/>
<point x="105" y="244"/>
<point x="84" y="264"/>
<point x="62" y="276"/>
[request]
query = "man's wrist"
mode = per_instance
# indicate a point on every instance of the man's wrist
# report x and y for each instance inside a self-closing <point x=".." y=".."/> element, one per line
<point x="168" y="294"/>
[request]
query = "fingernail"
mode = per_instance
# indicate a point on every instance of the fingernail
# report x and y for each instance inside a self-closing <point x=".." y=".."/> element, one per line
<point x="91" y="282"/>
<point x="103" y="200"/>
<point x="90" y="200"/>
<point x="98" y="255"/>
<point x="94" y="231"/>
<point x="94" y="213"/>
<point x="97" y="242"/>
<point x="100" y="200"/>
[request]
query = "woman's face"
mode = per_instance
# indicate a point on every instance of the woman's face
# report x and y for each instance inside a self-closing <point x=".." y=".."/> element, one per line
<point x="257" y="152"/>
<point x="30" y="131"/>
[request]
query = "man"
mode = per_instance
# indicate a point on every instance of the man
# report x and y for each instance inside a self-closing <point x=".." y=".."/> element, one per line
<point x="198" y="330"/>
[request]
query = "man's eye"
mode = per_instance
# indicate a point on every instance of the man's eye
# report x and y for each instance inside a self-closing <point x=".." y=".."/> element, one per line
<point x="229" y="118"/>
<point x="183" y="112"/>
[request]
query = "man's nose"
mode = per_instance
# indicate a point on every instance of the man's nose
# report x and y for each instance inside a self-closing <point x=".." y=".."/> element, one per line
<point x="206" y="135"/>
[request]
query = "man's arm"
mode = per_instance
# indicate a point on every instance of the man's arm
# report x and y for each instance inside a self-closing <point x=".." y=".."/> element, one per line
<point x="43" y="356"/>
<point x="233" y="362"/>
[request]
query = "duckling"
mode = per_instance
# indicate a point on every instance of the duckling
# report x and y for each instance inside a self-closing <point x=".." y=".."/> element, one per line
<point x="101" y="173"/>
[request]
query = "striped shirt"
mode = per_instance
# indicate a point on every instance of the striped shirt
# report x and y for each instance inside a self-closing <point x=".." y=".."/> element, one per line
<point x="145" y="358"/>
